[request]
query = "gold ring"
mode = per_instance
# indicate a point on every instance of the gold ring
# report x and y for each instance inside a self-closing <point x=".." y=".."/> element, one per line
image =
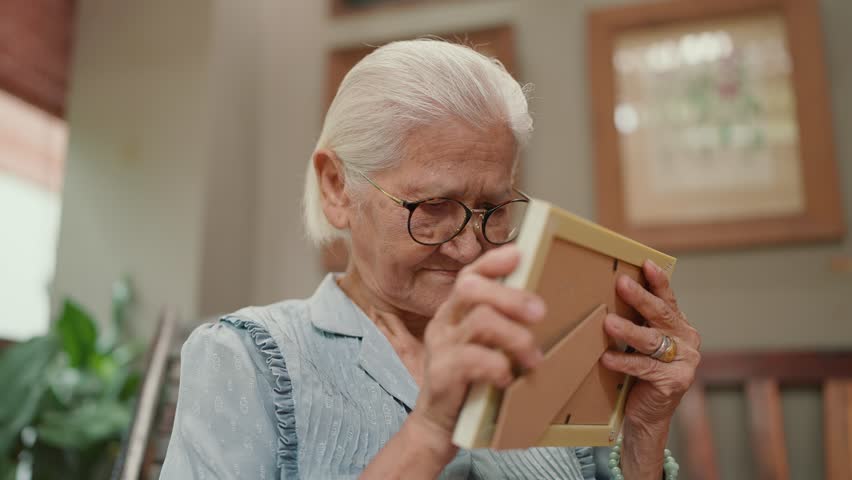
<point x="667" y="351"/>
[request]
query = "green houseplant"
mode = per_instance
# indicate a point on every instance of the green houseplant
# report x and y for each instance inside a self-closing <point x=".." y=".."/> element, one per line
<point x="68" y="396"/>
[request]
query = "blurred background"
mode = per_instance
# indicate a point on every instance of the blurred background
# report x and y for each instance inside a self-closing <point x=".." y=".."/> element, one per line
<point x="160" y="148"/>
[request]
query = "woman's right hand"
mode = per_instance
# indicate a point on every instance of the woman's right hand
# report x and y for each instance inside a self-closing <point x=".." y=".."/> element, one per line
<point x="476" y="335"/>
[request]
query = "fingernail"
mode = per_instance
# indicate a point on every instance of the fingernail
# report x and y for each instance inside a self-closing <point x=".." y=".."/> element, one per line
<point x="536" y="309"/>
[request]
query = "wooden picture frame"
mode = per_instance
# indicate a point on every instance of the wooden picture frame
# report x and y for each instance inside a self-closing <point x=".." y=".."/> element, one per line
<point x="347" y="7"/>
<point x="495" y="41"/>
<point x="805" y="207"/>
<point x="569" y="399"/>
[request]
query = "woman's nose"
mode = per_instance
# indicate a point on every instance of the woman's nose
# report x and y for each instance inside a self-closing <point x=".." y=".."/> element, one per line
<point x="476" y="220"/>
<point x="467" y="245"/>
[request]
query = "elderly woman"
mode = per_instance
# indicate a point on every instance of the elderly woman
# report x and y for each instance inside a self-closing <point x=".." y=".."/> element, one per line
<point x="415" y="167"/>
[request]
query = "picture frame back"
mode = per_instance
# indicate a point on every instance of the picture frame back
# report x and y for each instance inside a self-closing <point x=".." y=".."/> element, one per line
<point x="569" y="399"/>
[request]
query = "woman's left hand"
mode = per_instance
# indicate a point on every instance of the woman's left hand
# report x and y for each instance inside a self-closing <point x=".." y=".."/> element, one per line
<point x="660" y="386"/>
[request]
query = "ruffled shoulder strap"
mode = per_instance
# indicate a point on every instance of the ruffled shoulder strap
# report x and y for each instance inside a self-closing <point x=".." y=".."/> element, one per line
<point x="283" y="389"/>
<point x="586" y="458"/>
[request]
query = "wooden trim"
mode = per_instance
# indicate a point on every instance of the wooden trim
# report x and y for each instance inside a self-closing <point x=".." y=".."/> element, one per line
<point x="694" y="423"/>
<point x="767" y="429"/>
<point x="591" y="435"/>
<point x="841" y="264"/>
<point x="789" y="368"/>
<point x="837" y="418"/>
<point x="36" y="39"/>
<point x="136" y="456"/>
<point x="823" y="216"/>
<point x="339" y="8"/>
<point x="595" y="237"/>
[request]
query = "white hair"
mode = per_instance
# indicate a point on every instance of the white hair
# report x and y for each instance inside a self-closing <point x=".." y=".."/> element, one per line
<point x="398" y="87"/>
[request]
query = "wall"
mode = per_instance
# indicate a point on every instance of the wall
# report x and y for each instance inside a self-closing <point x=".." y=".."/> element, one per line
<point x="134" y="183"/>
<point x="32" y="156"/>
<point x="160" y="177"/>
<point x="757" y="298"/>
<point x="226" y="279"/>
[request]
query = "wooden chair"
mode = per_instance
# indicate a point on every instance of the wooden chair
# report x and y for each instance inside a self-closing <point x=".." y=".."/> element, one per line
<point x="762" y="375"/>
<point x="139" y="452"/>
<point x="165" y="419"/>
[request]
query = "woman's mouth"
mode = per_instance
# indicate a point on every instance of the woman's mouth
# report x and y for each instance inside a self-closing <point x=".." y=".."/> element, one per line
<point x="447" y="272"/>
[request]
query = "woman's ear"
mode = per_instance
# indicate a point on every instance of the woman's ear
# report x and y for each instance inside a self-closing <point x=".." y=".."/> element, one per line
<point x="334" y="200"/>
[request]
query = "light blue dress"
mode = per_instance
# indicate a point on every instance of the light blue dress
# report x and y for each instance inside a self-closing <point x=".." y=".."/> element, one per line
<point x="311" y="389"/>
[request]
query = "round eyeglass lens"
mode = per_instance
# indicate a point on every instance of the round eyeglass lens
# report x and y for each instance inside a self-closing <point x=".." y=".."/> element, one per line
<point x="436" y="221"/>
<point x="504" y="223"/>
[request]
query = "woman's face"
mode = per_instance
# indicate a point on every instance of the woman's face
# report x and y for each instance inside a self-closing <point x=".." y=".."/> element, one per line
<point x="449" y="160"/>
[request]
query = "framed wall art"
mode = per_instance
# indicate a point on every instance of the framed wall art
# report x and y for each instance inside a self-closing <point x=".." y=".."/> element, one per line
<point x="348" y="7"/>
<point x="711" y="123"/>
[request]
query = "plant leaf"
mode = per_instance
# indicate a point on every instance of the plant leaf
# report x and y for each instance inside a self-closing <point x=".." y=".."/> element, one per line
<point x="7" y="469"/>
<point x="78" y="333"/>
<point x="86" y="425"/>
<point x="51" y="463"/>
<point x="22" y="375"/>
<point x="131" y="386"/>
<point x="122" y="300"/>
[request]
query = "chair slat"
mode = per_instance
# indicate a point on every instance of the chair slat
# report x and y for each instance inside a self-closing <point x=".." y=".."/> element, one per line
<point x="837" y="402"/>
<point x="767" y="429"/>
<point x="789" y="368"/>
<point x="701" y="462"/>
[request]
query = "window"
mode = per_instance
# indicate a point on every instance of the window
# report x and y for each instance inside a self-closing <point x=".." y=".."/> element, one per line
<point x="32" y="153"/>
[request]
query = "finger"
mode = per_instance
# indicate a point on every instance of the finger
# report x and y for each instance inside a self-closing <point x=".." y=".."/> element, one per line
<point x="495" y="263"/>
<point x="652" y="308"/>
<point x="659" y="283"/>
<point x="471" y="363"/>
<point x="670" y="380"/>
<point x="634" y="364"/>
<point x="473" y="289"/>
<point x="643" y="339"/>
<point x="487" y="326"/>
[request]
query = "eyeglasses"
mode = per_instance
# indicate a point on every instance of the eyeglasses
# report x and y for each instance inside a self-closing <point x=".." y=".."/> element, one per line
<point x="438" y="220"/>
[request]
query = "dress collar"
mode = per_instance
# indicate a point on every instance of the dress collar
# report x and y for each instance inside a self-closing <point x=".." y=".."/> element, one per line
<point x="332" y="311"/>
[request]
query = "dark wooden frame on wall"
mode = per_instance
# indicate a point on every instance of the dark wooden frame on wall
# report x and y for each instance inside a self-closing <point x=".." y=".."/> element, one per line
<point x="341" y="7"/>
<point x="823" y="215"/>
<point x="36" y="38"/>
<point x="500" y="40"/>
